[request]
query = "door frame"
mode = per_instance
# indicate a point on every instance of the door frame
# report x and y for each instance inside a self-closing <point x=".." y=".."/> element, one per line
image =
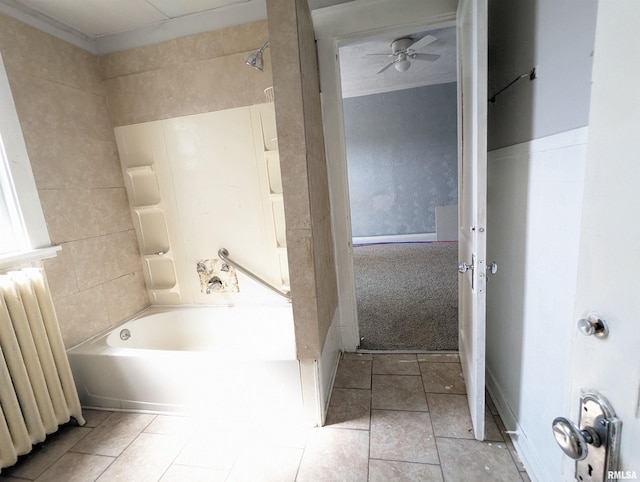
<point x="333" y="26"/>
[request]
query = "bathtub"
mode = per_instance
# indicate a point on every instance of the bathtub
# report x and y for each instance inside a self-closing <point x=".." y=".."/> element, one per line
<point x="193" y="359"/>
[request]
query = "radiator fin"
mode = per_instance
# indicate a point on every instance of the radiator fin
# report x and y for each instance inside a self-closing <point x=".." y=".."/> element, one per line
<point x="39" y="394"/>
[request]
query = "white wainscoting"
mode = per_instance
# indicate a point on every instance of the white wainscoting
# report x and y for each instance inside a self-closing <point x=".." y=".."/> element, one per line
<point x="535" y="192"/>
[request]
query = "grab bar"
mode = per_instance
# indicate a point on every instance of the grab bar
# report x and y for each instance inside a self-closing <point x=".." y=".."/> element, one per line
<point x="223" y="253"/>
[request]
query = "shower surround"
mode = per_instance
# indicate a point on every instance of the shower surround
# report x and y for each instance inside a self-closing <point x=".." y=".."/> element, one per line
<point x="199" y="183"/>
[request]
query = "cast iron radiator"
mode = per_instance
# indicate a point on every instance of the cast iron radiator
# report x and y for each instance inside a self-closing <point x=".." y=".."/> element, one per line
<point x="37" y="392"/>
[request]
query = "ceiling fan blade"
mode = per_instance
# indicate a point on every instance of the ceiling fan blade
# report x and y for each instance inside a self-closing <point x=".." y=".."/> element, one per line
<point x="386" y="67"/>
<point x="423" y="42"/>
<point x="386" y="55"/>
<point x="429" y="57"/>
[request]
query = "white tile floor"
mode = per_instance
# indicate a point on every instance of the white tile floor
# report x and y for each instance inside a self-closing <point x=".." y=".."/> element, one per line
<point x="391" y="418"/>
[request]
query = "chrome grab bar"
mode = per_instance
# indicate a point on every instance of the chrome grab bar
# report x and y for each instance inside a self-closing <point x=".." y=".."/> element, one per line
<point x="223" y="253"/>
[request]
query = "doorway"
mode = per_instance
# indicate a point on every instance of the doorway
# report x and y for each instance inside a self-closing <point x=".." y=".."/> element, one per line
<point x="399" y="101"/>
<point x="333" y="26"/>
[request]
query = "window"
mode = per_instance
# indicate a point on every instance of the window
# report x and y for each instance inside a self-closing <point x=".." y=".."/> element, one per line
<point x="23" y="231"/>
<point x="13" y="237"/>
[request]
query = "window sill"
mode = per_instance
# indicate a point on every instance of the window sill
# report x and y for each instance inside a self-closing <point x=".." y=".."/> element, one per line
<point x="17" y="259"/>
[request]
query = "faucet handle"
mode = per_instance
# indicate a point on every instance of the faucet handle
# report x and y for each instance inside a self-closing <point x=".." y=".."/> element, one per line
<point x="201" y="267"/>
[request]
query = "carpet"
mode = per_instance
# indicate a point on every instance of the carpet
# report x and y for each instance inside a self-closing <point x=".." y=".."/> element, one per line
<point x="407" y="296"/>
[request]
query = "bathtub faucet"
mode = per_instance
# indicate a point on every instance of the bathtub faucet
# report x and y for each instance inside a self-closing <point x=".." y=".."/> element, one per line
<point x="214" y="284"/>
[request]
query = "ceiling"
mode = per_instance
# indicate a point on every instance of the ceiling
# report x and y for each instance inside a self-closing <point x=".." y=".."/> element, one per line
<point x="104" y="26"/>
<point x="95" y="18"/>
<point x="358" y="68"/>
<point x="94" y="21"/>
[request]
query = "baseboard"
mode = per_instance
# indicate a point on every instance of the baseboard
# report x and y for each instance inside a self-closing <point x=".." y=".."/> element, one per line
<point x="395" y="238"/>
<point x="328" y="366"/>
<point x="334" y="372"/>
<point x="526" y="452"/>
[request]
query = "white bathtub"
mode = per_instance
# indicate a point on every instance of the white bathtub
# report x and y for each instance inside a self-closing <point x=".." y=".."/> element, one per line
<point x="193" y="359"/>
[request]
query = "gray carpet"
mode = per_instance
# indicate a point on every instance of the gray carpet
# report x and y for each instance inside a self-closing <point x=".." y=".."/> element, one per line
<point x="407" y="296"/>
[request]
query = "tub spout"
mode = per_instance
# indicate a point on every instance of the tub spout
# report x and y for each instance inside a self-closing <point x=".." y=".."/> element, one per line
<point x="214" y="284"/>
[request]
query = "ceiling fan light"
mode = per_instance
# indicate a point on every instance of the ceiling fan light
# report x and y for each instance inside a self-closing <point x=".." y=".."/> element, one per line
<point x="402" y="65"/>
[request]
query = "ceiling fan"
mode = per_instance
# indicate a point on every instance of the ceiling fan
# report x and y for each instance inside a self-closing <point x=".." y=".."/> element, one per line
<point x="404" y="50"/>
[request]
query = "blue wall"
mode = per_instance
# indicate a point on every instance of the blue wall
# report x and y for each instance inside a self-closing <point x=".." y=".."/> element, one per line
<point x="401" y="159"/>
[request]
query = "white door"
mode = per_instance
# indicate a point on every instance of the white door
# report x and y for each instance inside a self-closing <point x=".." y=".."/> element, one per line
<point x="609" y="256"/>
<point x="472" y="186"/>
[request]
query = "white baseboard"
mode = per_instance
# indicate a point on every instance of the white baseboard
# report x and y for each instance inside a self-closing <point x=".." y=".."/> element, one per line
<point x="395" y="238"/>
<point x="328" y="366"/>
<point x="526" y="452"/>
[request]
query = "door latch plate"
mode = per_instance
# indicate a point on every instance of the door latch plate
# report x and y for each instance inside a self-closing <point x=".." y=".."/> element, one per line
<point x="597" y="414"/>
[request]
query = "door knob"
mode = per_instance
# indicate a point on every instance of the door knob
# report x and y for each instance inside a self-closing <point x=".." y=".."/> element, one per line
<point x="491" y="270"/>
<point x="593" y="325"/>
<point x="464" y="267"/>
<point x="595" y="442"/>
<point x="572" y="440"/>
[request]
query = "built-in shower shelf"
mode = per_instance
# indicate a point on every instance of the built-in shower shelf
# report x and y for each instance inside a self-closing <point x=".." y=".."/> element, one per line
<point x="273" y="203"/>
<point x="152" y="226"/>
<point x="162" y="273"/>
<point x="142" y="184"/>
<point x="284" y="265"/>
<point x="272" y="160"/>
<point x="268" y="124"/>
<point x="277" y="211"/>
<point x="139" y="156"/>
<point x="165" y="297"/>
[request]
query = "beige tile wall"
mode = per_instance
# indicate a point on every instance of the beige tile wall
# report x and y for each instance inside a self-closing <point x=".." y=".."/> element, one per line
<point x="304" y="173"/>
<point x="96" y="279"/>
<point x="68" y="102"/>
<point x="189" y="75"/>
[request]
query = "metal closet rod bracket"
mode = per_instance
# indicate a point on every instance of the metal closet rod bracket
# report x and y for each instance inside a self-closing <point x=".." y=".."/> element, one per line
<point x="531" y="74"/>
<point x="223" y="255"/>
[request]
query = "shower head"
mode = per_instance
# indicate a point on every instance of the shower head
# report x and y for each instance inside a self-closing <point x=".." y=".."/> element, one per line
<point x="255" y="58"/>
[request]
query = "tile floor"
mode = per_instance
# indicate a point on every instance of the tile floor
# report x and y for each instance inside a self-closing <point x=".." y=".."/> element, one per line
<point x="391" y="418"/>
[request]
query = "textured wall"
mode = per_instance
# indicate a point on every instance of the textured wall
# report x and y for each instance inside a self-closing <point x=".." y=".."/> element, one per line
<point x="96" y="279"/>
<point x="189" y="75"/>
<point x="402" y="159"/>
<point x="304" y="173"/>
